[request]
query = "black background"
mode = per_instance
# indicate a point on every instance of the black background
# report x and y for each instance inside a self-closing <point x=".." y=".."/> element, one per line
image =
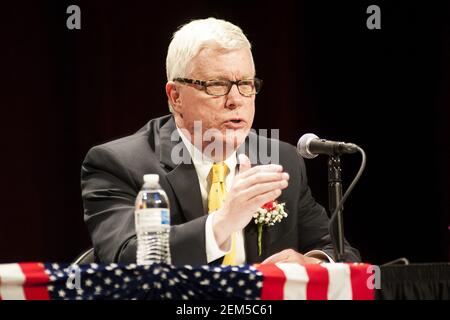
<point x="64" y="91"/>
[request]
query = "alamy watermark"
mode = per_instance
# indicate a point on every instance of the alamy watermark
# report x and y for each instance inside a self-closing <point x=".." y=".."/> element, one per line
<point x="74" y="277"/>
<point x="74" y="20"/>
<point x="374" y="20"/>
<point x="216" y="144"/>
<point x="374" y="280"/>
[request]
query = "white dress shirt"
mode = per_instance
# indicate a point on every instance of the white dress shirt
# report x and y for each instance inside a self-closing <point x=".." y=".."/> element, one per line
<point x="203" y="165"/>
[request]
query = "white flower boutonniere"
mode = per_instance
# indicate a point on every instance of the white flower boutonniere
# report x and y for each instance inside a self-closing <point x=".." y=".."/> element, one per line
<point x="268" y="214"/>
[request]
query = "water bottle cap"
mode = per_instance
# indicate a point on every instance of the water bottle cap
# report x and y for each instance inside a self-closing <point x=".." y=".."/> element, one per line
<point x="151" y="178"/>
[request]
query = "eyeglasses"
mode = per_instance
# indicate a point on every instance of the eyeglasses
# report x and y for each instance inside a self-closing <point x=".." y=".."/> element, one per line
<point x="246" y="87"/>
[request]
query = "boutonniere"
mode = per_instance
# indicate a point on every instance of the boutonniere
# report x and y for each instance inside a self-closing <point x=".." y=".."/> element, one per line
<point x="268" y="214"/>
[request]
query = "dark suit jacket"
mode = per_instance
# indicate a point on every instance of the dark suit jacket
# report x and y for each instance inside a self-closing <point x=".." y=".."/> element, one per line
<point x="112" y="175"/>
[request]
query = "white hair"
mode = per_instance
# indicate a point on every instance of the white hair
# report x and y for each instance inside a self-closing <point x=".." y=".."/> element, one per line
<point x="196" y="35"/>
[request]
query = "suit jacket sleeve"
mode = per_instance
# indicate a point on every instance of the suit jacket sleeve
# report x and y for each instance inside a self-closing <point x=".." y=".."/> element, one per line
<point x="109" y="189"/>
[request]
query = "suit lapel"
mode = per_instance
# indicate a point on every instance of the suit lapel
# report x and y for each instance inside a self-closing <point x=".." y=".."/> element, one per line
<point x="250" y="231"/>
<point x="181" y="176"/>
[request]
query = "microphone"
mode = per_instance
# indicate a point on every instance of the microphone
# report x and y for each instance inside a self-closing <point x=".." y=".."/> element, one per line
<point x="310" y="146"/>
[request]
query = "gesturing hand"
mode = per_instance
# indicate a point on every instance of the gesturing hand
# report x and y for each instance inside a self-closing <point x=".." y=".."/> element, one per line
<point x="251" y="188"/>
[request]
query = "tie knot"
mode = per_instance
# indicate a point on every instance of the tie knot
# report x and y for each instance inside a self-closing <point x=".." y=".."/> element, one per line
<point x="219" y="172"/>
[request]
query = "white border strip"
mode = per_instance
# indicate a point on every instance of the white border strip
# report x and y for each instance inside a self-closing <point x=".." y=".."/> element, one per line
<point x="11" y="282"/>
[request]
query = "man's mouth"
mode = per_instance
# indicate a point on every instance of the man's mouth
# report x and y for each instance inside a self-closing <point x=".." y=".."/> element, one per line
<point x="235" y="123"/>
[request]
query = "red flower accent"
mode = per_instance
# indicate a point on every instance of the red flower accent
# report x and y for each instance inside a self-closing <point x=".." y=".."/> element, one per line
<point x="269" y="206"/>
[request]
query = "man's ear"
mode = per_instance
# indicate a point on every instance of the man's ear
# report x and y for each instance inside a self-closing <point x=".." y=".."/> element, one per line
<point x="173" y="94"/>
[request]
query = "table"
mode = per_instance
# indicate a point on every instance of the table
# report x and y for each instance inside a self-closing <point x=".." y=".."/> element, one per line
<point x="427" y="281"/>
<point x="54" y="281"/>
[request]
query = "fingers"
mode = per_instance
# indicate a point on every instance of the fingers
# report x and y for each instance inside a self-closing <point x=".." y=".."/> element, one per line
<point x="258" y="185"/>
<point x="262" y="177"/>
<point x="262" y="188"/>
<point x="261" y="168"/>
<point x="290" y="255"/>
<point x="244" y="163"/>
<point x="287" y="255"/>
<point x="251" y="188"/>
<point x="277" y="257"/>
<point x="259" y="200"/>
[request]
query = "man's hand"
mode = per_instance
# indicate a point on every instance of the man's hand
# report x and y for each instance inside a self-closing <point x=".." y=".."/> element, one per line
<point x="252" y="187"/>
<point x="290" y="255"/>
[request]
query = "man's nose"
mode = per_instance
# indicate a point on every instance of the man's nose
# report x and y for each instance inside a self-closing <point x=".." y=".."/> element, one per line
<point x="234" y="98"/>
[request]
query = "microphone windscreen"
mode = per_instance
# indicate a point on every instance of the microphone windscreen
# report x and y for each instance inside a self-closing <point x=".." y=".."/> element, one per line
<point x="303" y="145"/>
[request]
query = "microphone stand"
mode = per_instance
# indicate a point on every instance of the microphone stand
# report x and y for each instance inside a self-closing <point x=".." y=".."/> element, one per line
<point x="334" y="198"/>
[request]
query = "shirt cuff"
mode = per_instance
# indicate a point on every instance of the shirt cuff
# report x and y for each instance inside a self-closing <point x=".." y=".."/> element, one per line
<point x="213" y="252"/>
<point x="319" y="254"/>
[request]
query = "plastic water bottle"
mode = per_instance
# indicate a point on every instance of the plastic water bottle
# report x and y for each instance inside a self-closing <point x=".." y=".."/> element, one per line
<point x="152" y="218"/>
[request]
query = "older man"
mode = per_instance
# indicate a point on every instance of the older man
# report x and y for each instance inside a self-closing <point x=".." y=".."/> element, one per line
<point x="211" y="91"/>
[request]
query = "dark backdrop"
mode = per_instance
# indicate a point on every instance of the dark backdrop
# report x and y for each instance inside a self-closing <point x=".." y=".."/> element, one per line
<point x="63" y="92"/>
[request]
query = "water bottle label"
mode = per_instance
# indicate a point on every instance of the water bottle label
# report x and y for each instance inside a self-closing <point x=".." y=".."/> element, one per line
<point x="165" y="216"/>
<point x="150" y="219"/>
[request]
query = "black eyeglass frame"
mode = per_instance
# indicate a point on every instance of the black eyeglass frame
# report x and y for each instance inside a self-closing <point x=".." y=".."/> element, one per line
<point x="204" y="84"/>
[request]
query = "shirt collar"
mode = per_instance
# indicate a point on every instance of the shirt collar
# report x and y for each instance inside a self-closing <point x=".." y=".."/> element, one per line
<point x="203" y="163"/>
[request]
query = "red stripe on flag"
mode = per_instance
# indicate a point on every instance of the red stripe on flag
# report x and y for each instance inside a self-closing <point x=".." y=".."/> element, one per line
<point x="317" y="288"/>
<point x="273" y="282"/>
<point x="36" y="281"/>
<point x="360" y="279"/>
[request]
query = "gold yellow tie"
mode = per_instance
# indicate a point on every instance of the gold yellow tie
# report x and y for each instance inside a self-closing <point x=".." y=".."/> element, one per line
<point x="216" y="197"/>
